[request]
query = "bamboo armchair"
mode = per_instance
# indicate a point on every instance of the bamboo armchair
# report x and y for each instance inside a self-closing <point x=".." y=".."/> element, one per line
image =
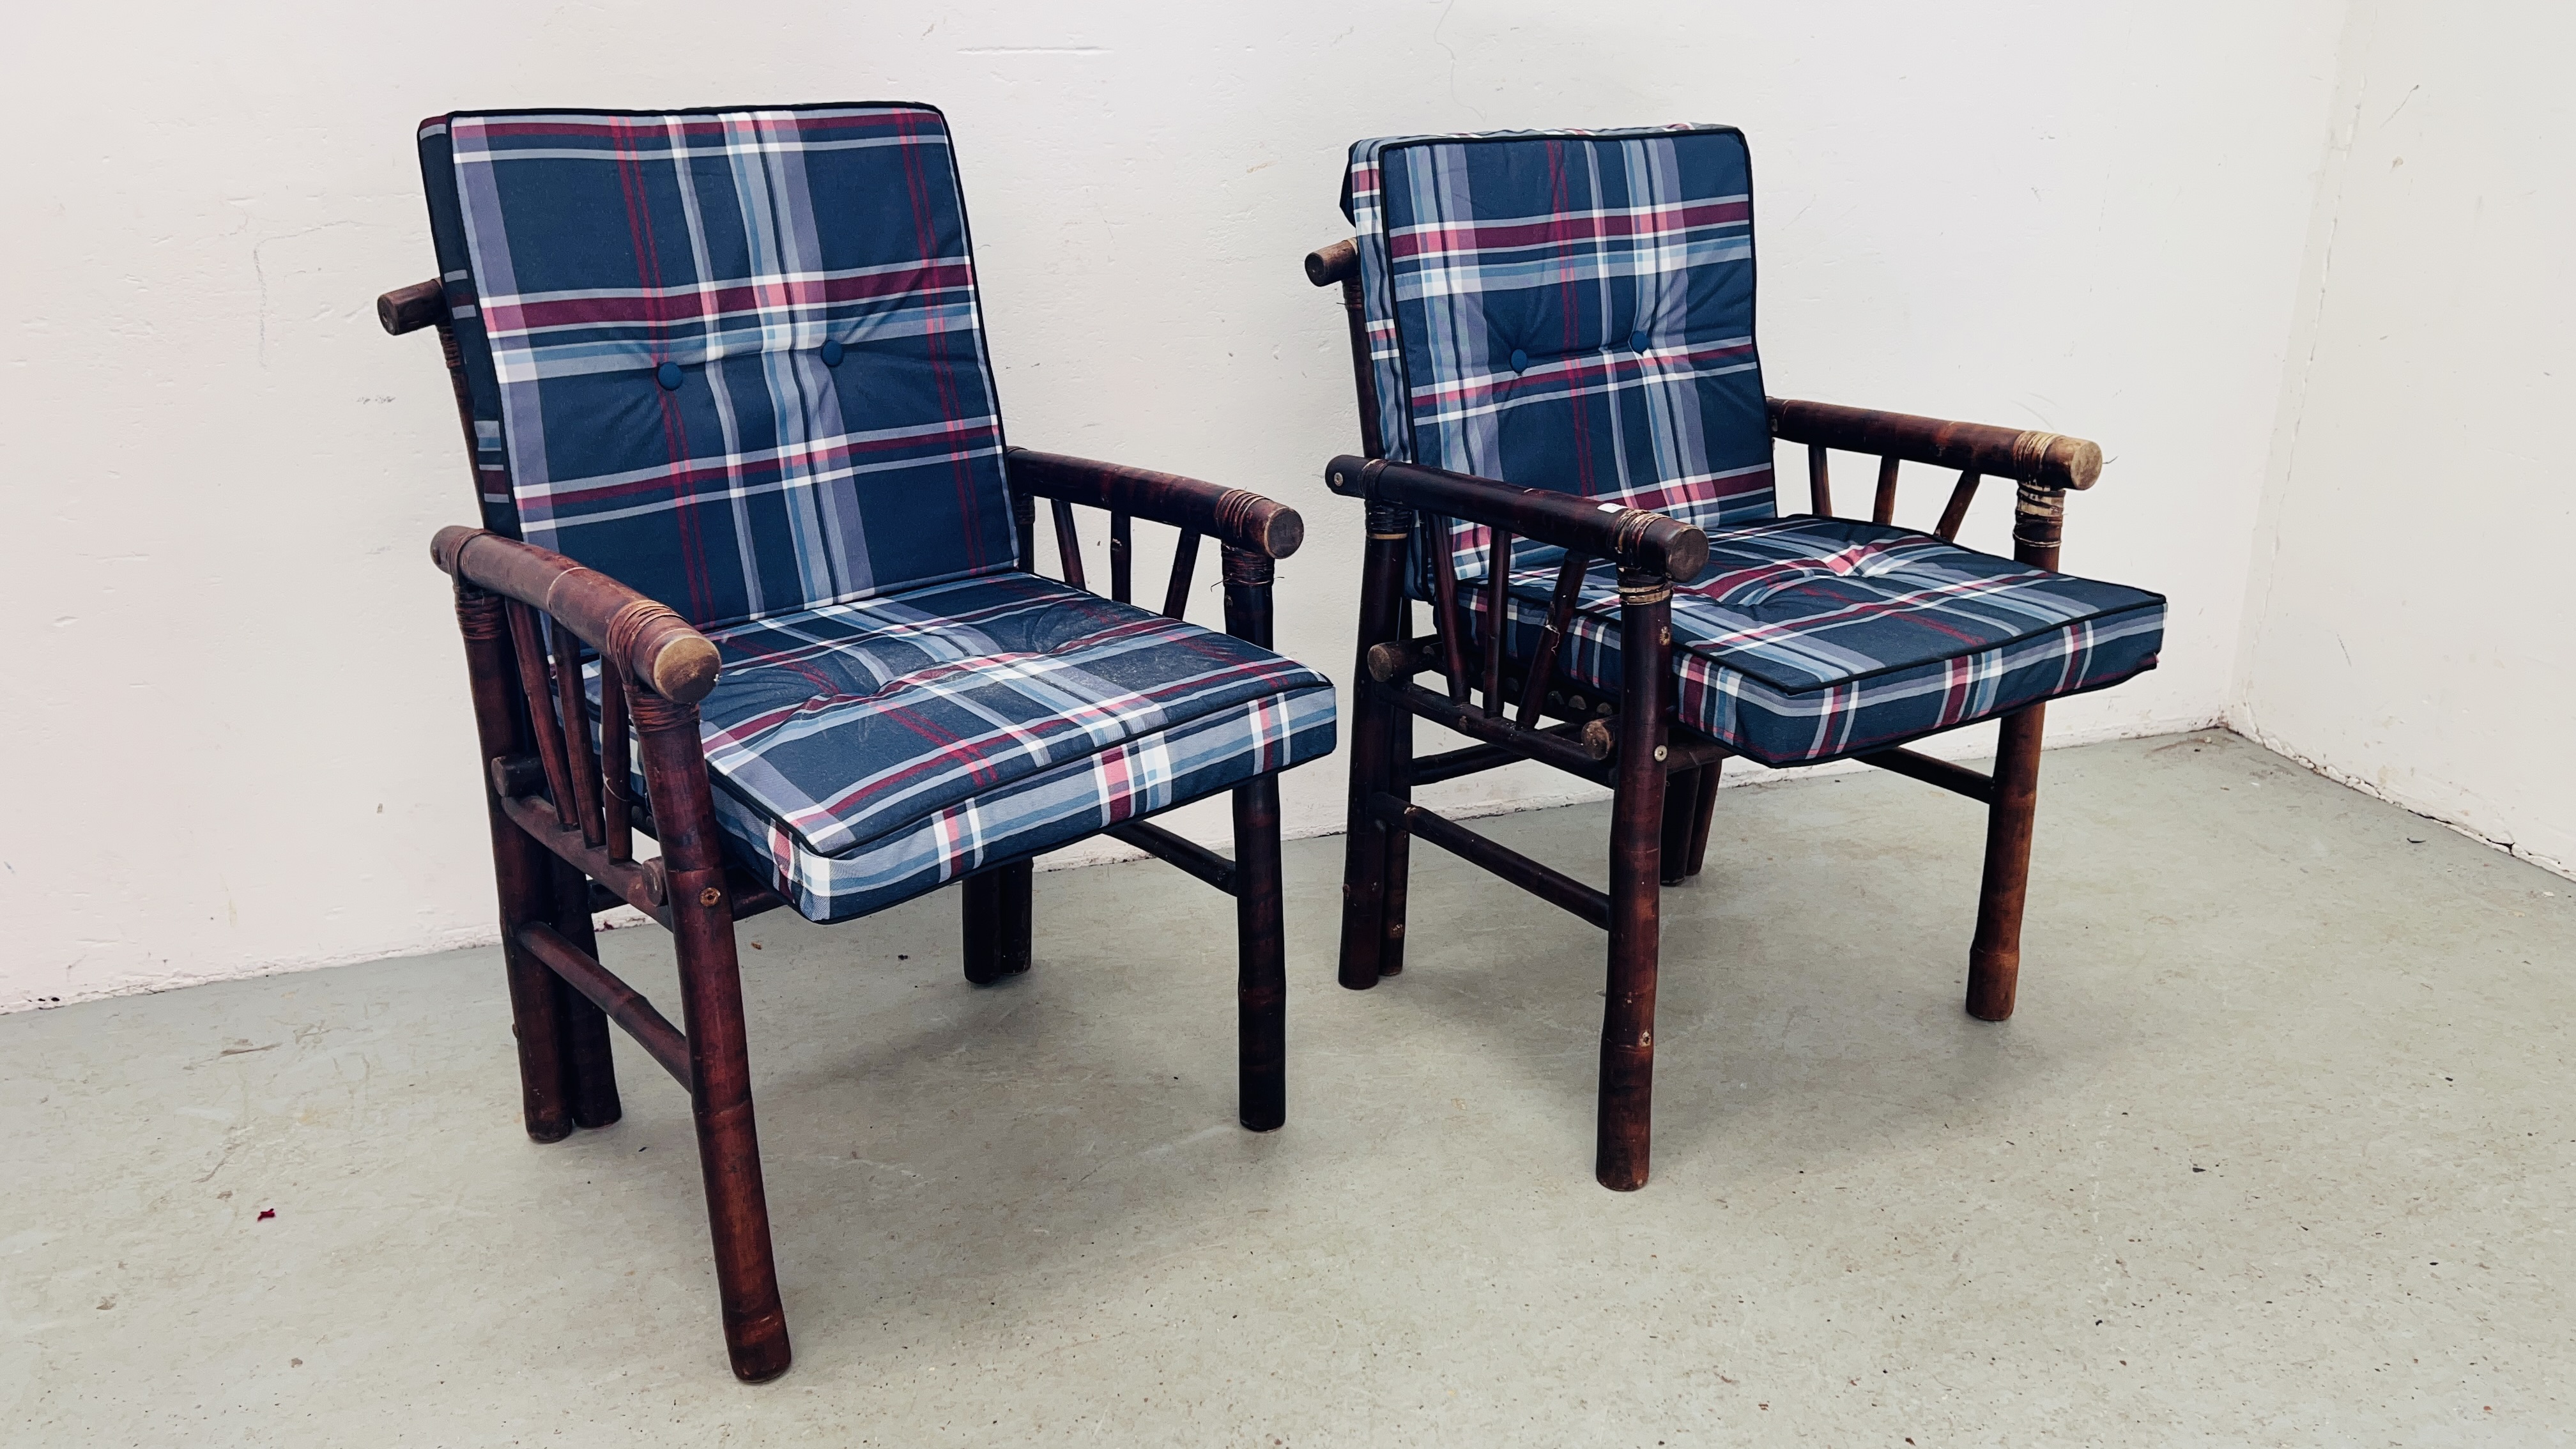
<point x="603" y="713"/>
<point x="1582" y="671"/>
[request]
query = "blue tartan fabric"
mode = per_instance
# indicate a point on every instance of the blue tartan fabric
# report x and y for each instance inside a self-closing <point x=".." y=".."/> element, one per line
<point x="1807" y="638"/>
<point x="1041" y="812"/>
<point x="1567" y="310"/>
<point x="865" y="751"/>
<point x="734" y="360"/>
<point x="731" y="358"/>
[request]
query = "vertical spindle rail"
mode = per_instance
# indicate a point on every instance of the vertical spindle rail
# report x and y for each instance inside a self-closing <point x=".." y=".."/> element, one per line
<point x="1121" y="566"/>
<point x="1955" y="513"/>
<point x="616" y="766"/>
<point x="1551" y="638"/>
<point x="576" y="729"/>
<point x="1444" y="604"/>
<point x="541" y="710"/>
<point x="1820" y="483"/>
<point x="1024" y="514"/>
<point x="1498" y="608"/>
<point x="1883" y="508"/>
<point x="1185" y="558"/>
<point x="1068" y="544"/>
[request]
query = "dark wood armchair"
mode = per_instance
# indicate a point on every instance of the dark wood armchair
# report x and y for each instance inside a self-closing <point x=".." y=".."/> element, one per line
<point x="1571" y="317"/>
<point x="758" y="580"/>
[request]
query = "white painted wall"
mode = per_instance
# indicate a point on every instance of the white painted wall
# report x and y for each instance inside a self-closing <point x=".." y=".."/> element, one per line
<point x="233" y="695"/>
<point x="2411" y="614"/>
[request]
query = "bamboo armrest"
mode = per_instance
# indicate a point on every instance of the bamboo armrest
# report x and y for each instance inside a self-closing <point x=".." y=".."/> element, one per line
<point x="1232" y="516"/>
<point x="2050" y="460"/>
<point x="660" y="650"/>
<point x="1634" y="538"/>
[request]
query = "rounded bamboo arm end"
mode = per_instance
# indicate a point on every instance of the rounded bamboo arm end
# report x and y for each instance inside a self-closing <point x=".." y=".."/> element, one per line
<point x="658" y="649"/>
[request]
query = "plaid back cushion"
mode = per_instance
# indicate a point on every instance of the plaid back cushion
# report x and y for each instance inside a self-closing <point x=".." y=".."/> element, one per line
<point x="731" y="358"/>
<point x="1568" y="310"/>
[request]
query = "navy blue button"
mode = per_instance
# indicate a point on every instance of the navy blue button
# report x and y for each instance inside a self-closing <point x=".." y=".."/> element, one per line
<point x="1637" y="340"/>
<point x="832" y="352"/>
<point x="668" y="374"/>
<point x="1520" y="360"/>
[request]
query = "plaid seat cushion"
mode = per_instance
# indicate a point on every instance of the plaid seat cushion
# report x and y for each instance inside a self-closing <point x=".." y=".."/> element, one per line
<point x="865" y="752"/>
<point x="1808" y="638"/>
<point x="1571" y="311"/>
<point x="731" y="358"/>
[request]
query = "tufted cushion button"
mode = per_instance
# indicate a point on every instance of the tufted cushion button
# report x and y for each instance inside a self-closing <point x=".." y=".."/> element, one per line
<point x="668" y="374"/>
<point x="1638" y="339"/>
<point x="1520" y="360"/>
<point x="831" y="352"/>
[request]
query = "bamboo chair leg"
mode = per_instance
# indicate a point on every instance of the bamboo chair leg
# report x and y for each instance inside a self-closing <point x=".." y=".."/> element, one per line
<point x="1624" y="1148"/>
<point x="1261" y="984"/>
<point x="1374" y="722"/>
<point x="1705" y="814"/>
<point x="1364" y="855"/>
<point x="1994" y="961"/>
<point x="1399" y="846"/>
<point x="997" y="910"/>
<point x="546" y="1087"/>
<point x="520" y="875"/>
<point x="1681" y="804"/>
<point x="585" y="1027"/>
<point x="675" y="775"/>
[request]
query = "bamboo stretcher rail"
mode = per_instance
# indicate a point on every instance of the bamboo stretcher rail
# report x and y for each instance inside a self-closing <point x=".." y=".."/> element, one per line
<point x="621" y="1003"/>
<point x="1548" y="884"/>
<point x="1188" y="855"/>
<point x="639" y="883"/>
<point x="1953" y="778"/>
<point x="1580" y="754"/>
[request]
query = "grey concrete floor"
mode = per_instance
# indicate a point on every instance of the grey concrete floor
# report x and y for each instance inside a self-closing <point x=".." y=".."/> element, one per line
<point x="2278" y="1150"/>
